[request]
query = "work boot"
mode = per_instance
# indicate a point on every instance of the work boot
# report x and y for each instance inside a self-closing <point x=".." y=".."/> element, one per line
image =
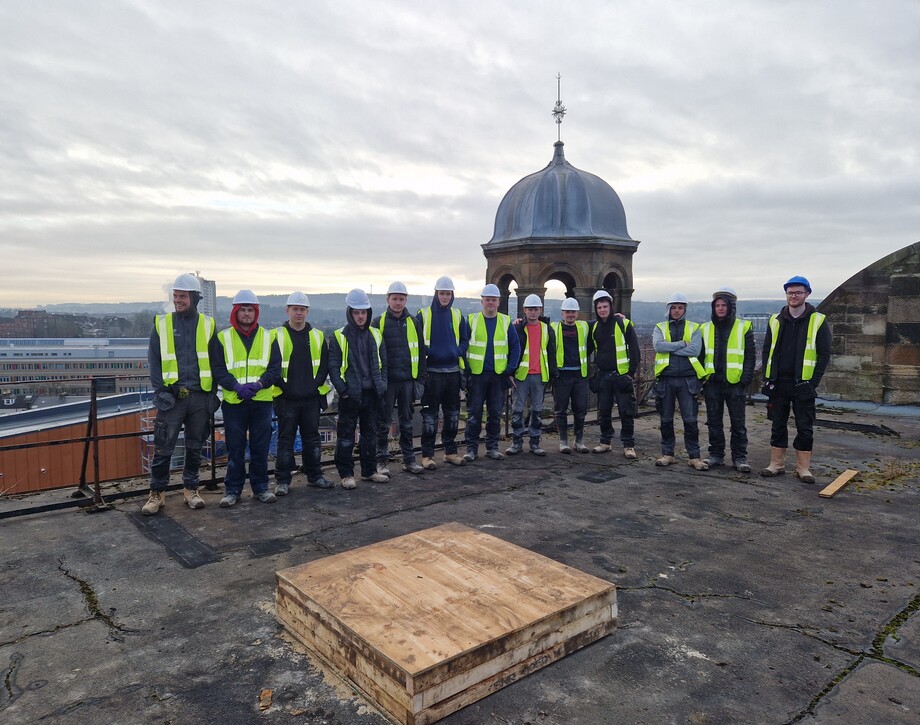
<point x="535" y="448"/>
<point x="603" y="448"/>
<point x="349" y="482"/>
<point x="413" y="467"/>
<point x="454" y="459"/>
<point x="429" y="464"/>
<point x="376" y="477"/>
<point x="266" y="497"/>
<point x="742" y="465"/>
<point x="564" y="448"/>
<point x="382" y="469"/>
<point x="580" y="445"/>
<point x="802" y="462"/>
<point x="321" y="482"/>
<point x="698" y="463"/>
<point x="192" y="499"/>
<point x="666" y="459"/>
<point x="495" y="454"/>
<point x="229" y="500"/>
<point x="282" y="489"/>
<point x="715" y="460"/>
<point x="630" y="453"/>
<point x="514" y="448"/>
<point x="777" y="465"/>
<point x="469" y="457"/>
<point x="155" y="502"/>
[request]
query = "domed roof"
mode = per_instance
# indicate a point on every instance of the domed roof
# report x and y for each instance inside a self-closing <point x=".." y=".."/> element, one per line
<point x="560" y="202"/>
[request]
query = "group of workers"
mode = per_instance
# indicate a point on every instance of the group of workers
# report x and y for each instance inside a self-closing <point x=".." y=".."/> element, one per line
<point x="380" y="364"/>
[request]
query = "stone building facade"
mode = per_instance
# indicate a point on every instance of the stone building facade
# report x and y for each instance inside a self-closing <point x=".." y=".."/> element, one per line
<point x="875" y="319"/>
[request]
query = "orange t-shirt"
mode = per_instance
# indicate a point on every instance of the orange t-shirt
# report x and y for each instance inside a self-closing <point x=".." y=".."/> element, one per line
<point x="535" y="345"/>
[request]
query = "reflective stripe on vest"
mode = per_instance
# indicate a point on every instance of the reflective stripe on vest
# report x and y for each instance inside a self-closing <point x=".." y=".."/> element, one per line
<point x="619" y="344"/>
<point x="476" y="353"/>
<point x="582" y="330"/>
<point x="343" y="345"/>
<point x="411" y="339"/>
<point x="169" y="365"/>
<point x="286" y="346"/>
<point x="734" y="352"/>
<point x="663" y="359"/>
<point x="810" y="356"/>
<point x="247" y="366"/>
<point x="455" y="320"/>
<point x="524" y="368"/>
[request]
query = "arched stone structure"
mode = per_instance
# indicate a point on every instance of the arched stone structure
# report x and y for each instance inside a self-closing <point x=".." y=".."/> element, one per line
<point x="562" y="224"/>
<point x="875" y="320"/>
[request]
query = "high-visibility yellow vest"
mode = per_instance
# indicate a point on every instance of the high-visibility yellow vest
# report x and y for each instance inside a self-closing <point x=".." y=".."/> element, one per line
<point x="524" y="368"/>
<point x="286" y="346"/>
<point x="411" y="338"/>
<point x="582" y="331"/>
<point x="169" y="365"/>
<point x="734" y="352"/>
<point x="343" y="345"/>
<point x="456" y="318"/>
<point x="247" y="366"/>
<point x="663" y="359"/>
<point x="619" y="343"/>
<point x="479" y="338"/>
<point x="810" y="357"/>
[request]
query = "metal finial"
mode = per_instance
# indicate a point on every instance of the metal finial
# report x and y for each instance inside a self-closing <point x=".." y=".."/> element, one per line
<point x="559" y="109"/>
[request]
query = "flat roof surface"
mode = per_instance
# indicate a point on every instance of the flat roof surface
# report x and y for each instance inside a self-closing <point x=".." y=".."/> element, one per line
<point x="741" y="598"/>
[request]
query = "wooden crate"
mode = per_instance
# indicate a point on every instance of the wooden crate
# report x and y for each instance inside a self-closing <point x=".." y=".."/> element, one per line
<point x="427" y="623"/>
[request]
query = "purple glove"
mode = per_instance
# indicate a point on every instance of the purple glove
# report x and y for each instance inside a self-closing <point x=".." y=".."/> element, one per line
<point x="249" y="390"/>
<point x="238" y="388"/>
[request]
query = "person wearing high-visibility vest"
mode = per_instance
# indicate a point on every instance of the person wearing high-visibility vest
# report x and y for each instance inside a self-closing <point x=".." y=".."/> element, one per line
<point x="574" y="344"/>
<point x="358" y="371"/>
<point x="247" y="369"/>
<point x="617" y="359"/>
<point x="406" y="377"/>
<point x="678" y="380"/>
<point x="447" y="336"/>
<point x="182" y="348"/>
<point x="491" y="359"/>
<point x="796" y="352"/>
<point x="728" y="357"/>
<point x="536" y="369"/>
<point x="300" y="395"/>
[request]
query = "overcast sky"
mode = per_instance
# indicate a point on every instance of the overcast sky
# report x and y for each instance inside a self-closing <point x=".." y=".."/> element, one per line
<point x="328" y="145"/>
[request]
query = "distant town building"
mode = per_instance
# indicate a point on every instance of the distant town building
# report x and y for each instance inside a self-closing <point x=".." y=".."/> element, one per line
<point x="208" y="304"/>
<point x="53" y="366"/>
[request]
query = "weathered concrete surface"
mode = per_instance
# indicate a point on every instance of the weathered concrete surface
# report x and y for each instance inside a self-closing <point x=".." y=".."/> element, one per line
<point x="742" y="599"/>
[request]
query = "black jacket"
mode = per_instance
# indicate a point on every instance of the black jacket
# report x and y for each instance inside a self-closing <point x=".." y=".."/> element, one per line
<point x="605" y="357"/>
<point x="302" y="384"/>
<point x="363" y="375"/>
<point x="790" y="347"/>
<point x="185" y="328"/>
<point x="721" y="331"/>
<point x="399" y="360"/>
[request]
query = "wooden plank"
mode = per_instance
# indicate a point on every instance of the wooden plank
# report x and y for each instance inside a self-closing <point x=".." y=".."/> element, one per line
<point x="842" y="480"/>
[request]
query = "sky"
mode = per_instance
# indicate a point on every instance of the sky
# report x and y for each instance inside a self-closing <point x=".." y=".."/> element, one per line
<point x="322" y="146"/>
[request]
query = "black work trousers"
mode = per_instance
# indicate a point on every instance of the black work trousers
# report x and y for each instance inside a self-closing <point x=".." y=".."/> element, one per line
<point x="399" y="395"/>
<point x="784" y="397"/>
<point x="294" y="415"/>
<point x="360" y="414"/>
<point x="570" y="387"/>
<point x="613" y="387"/>
<point x="720" y="395"/>
<point x="194" y="415"/>
<point x="442" y="391"/>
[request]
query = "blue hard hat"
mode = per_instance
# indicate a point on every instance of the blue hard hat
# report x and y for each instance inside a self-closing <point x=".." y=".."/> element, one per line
<point x="798" y="279"/>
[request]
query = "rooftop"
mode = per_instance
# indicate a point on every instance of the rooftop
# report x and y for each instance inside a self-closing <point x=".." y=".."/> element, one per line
<point x="741" y="598"/>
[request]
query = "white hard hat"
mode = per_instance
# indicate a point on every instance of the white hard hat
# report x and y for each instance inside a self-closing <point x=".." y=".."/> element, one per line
<point x="444" y="284"/>
<point x="187" y="283"/>
<point x="397" y="288"/>
<point x="533" y="301"/>
<point x="725" y="291"/>
<point x="357" y="299"/>
<point x="570" y="303"/>
<point x="678" y="298"/>
<point x="490" y="290"/>
<point x="299" y="299"/>
<point x="245" y="297"/>
<point x="601" y="294"/>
